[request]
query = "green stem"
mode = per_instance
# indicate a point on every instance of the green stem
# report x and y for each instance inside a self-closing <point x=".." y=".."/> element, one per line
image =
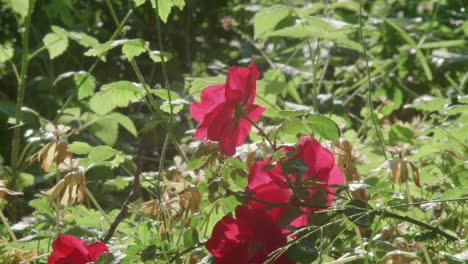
<point x="260" y="131"/>
<point x="255" y="45"/>
<point x="313" y="58"/>
<point x="21" y="88"/>
<point x="7" y="226"/>
<point x="96" y="204"/>
<point x="413" y="211"/>
<point x="369" y="89"/>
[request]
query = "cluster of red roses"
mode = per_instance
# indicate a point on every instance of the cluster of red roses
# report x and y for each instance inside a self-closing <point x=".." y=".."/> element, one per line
<point x="225" y="113"/>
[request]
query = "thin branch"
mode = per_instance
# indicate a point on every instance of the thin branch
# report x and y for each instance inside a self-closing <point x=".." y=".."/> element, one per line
<point x="131" y="196"/>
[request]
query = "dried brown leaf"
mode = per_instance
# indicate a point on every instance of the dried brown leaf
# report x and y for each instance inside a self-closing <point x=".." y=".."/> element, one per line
<point x="415" y="170"/>
<point x="72" y="188"/>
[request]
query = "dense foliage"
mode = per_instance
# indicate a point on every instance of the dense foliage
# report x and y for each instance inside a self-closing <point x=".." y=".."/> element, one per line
<point x="189" y="131"/>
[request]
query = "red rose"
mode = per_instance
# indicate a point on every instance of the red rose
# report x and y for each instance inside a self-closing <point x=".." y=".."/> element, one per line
<point x="222" y="107"/>
<point x="249" y="238"/>
<point x="271" y="185"/>
<point x="68" y="249"/>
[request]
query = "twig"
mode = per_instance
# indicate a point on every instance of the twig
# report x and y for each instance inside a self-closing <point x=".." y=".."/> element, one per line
<point x="131" y="196"/>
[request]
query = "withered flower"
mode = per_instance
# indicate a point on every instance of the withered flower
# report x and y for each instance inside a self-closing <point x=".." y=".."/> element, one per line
<point x="398" y="166"/>
<point x="54" y="152"/>
<point x="72" y="188"/>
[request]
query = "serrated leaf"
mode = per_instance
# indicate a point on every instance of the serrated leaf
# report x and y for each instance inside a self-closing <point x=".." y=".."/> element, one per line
<point x="268" y="18"/>
<point x="124" y="121"/>
<point x="78" y="147"/>
<point x="56" y="44"/>
<point x="113" y="95"/>
<point x="101" y="49"/>
<point x="85" y="83"/>
<point x="164" y="9"/>
<point x="324" y="126"/>
<point x="134" y="48"/>
<point x="6" y="53"/>
<point x="179" y="3"/>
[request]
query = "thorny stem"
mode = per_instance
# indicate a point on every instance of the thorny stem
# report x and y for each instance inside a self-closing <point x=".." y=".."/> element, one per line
<point x="369" y="89"/>
<point x="7" y="226"/>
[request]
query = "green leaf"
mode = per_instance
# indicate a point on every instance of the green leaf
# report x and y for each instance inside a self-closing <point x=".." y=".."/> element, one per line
<point x="294" y="166"/>
<point x="190" y="237"/>
<point x="55" y="43"/>
<point x="324" y="126"/>
<point x="194" y="163"/>
<point x="101" y="49"/>
<point x="194" y="86"/>
<point x="106" y="130"/>
<point x="303" y="251"/>
<point x="88" y="84"/>
<point x="113" y="95"/>
<point x="400" y="133"/>
<point x="157" y="56"/>
<point x="6" y="53"/>
<point x="84" y="39"/>
<point x="268" y="18"/>
<point x="429" y="104"/>
<point x="359" y="213"/>
<point x="105" y="258"/>
<point x="318" y="28"/>
<point x="24" y="180"/>
<point x="124" y="121"/>
<point x="101" y="153"/>
<point x="139" y="2"/>
<point x="164" y="9"/>
<point x="20" y="6"/>
<point x="162" y="93"/>
<point x="134" y="48"/>
<point x="117" y="184"/>
<point x="78" y="147"/>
